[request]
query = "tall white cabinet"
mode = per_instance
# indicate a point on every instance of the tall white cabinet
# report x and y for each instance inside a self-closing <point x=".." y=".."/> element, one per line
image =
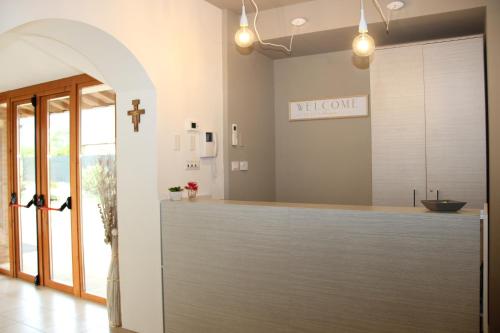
<point x="429" y="123"/>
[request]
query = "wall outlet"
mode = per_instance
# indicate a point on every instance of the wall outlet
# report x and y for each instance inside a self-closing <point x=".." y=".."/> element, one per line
<point x="192" y="165"/>
<point x="235" y="166"/>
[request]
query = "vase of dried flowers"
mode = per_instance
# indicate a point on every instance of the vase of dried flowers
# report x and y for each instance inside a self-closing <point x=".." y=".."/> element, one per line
<point x="192" y="189"/>
<point x="106" y="193"/>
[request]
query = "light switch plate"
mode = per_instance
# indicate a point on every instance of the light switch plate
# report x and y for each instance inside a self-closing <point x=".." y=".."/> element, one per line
<point x="244" y="165"/>
<point x="177" y="142"/>
<point x="235" y="166"/>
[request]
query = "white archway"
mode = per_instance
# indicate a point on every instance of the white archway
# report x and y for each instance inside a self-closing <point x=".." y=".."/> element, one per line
<point x="95" y="52"/>
<point x="87" y="48"/>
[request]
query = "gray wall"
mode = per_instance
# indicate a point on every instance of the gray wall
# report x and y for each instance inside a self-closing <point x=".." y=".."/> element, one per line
<point x="321" y="161"/>
<point x="249" y="92"/>
<point x="493" y="52"/>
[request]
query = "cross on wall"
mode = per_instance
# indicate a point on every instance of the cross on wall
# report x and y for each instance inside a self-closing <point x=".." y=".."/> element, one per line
<point x="136" y="114"/>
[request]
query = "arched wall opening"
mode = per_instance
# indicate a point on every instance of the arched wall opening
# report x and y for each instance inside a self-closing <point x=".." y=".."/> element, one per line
<point x="89" y="50"/>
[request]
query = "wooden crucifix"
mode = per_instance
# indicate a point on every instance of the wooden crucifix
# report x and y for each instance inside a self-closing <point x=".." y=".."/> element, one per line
<point x="136" y="114"/>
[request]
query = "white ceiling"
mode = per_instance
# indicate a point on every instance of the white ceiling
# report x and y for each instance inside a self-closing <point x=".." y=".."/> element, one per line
<point x="22" y="65"/>
<point x="235" y="5"/>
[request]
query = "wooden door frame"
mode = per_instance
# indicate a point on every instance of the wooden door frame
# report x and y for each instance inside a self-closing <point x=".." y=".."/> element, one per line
<point x="44" y="190"/>
<point x="15" y="248"/>
<point x="75" y="181"/>
<point x="72" y="87"/>
<point x="4" y="99"/>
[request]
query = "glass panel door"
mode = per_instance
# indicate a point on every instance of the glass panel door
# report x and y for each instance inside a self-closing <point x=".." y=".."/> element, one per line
<point x="97" y="155"/>
<point x="4" y="191"/>
<point x="56" y="190"/>
<point x="57" y="149"/>
<point x="26" y="188"/>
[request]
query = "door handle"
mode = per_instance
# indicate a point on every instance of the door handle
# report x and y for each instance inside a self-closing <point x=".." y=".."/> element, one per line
<point x="437" y="193"/>
<point x="13" y="201"/>
<point x="41" y="205"/>
<point x="414" y="198"/>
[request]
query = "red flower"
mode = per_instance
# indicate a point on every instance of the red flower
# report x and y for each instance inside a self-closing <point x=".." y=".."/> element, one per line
<point x="193" y="186"/>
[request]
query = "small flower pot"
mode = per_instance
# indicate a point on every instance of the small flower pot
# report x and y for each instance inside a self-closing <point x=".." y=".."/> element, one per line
<point x="192" y="194"/>
<point x="176" y="196"/>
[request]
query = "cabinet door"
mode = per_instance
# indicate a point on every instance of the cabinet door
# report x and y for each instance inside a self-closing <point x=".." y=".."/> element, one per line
<point x="456" y="121"/>
<point x="398" y="126"/>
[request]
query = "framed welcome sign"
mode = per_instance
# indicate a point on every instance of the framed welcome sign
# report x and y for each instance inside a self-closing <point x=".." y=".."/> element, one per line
<point x="345" y="107"/>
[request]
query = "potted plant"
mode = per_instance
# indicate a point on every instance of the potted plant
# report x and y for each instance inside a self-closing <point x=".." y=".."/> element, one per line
<point x="176" y="193"/>
<point x="192" y="188"/>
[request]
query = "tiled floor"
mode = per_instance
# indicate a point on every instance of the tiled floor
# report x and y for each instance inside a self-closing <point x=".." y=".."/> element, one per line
<point x="25" y="308"/>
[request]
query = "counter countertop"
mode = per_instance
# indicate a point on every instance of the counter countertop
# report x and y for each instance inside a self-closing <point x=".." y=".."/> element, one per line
<point x="383" y="209"/>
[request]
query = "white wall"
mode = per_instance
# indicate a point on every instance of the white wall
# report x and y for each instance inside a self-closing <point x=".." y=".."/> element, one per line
<point x="179" y="44"/>
<point x="192" y="77"/>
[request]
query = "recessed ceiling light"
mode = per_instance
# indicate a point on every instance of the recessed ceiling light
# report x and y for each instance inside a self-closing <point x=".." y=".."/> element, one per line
<point x="395" y="5"/>
<point x="299" y="21"/>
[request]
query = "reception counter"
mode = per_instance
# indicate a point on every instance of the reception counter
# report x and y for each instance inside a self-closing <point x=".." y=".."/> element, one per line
<point x="232" y="266"/>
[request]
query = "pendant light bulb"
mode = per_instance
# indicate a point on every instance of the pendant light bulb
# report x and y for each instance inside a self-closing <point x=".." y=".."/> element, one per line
<point x="244" y="37"/>
<point x="363" y="45"/>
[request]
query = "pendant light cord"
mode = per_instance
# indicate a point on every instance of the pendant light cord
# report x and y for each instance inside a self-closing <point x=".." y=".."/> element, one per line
<point x="283" y="47"/>
<point x="381" y="12"/>
<point x="288" y="48"/>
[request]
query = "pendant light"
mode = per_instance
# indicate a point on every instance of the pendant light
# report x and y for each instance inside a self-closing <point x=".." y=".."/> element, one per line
<point x="363" y="45"/>
<point x="244" y="37"/>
